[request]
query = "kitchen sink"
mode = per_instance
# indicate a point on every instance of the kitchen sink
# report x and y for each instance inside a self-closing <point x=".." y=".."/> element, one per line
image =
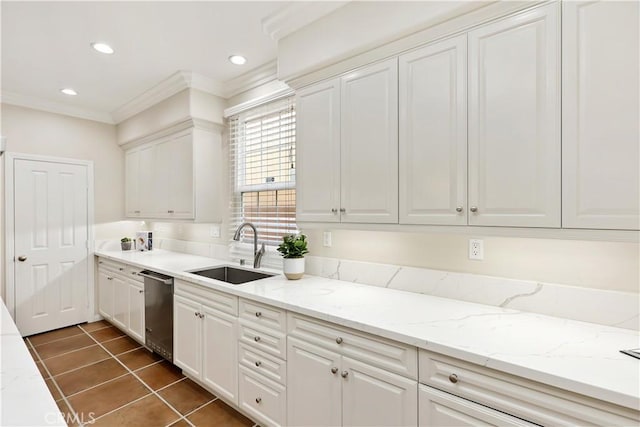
<point x="234" y="276"/>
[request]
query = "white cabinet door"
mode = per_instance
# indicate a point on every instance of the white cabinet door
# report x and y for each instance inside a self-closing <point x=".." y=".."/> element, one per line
<point x="446" y="410"/>
<point x="369" y="144"/>
<point x="372" y="396"/>
<point x="120" y="302"/>
<point x="318" y="152"/>
<point x="105" y="295"/>
<point x="187" y="336"/>
<point x="148" y="196"/>
<point x="600" y="115"/>
<point x="514" y="121"/>
<point x="433" y="134"/>
<point x="313" y="385"/>
<point x="175" y="172"/>
<point x="220" y="353"/>
<point x="132" y="183"/>
<point x="136" y="311"/>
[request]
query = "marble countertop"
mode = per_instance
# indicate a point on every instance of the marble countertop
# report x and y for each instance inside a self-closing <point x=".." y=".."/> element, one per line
<point x="580" y="357"/>
<point x="25" y="399"/>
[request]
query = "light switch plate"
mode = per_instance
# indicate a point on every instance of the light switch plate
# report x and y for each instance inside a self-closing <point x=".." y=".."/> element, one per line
<point x="326" y="239"/>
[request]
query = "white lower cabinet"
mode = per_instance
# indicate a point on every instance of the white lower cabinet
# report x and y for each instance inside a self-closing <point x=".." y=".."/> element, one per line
<point x="120" y="302"/>
<point x="136" y="310"/>
<point x="105" y="294"/>
<point x="187" y="336"/>
<point x="264" y="400"/>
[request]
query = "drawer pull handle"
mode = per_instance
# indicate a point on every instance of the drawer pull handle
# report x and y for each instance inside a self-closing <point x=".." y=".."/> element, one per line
<point x="258" y="363"/>
<point x="344" y="374"/>
<point x="339" y="340"/>
<point x="334" y="370"/>
<point x="258" y="400"/>
<point x="256" y="339"/>
<point x="258" y="314"/>
<point x="453" y="378"/>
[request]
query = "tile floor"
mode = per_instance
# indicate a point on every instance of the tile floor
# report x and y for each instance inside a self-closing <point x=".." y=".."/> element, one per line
<point x="99" y="376"/>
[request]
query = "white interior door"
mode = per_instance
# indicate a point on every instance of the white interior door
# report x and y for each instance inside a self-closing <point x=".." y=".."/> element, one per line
<point x="50" y="245"/>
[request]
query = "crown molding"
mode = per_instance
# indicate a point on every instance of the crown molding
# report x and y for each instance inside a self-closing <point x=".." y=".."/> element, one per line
<point x="281" y="92"/>
<point x="296" y="15"/>
<point x="251" y="79"/>
<point x="177" y="128"/>
<point x="36" y="103"/>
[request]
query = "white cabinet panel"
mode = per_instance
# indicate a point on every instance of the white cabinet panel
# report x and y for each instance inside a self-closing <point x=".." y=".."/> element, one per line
<point x="120" y="302"/>
<point x="220" y="353"/>
<point x="105" y="295"/>
<point x="187" y="336"/>
<point x="264" y="400"/>
<point x="600" y="116"/>
<point x="136" y="311"/>
<point x="318" y="152"/>
<point x="369" y="144"/>
<point x="514" y="127"/>
<point x="132" y="187"/>
<point x="433" y="134"/>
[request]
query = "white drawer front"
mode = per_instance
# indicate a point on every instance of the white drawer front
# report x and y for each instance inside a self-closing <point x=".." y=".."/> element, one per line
<point x="111" y="266"/>
<point x="261" y="362"/>
<point x="526" y="399"/>
<point x="132" y="273"/>
<point x="267" y="340"/>
<point x="262" y="399"/>
<point x="220" y="301"/>
<point x="386" y="354"/>
<point x="263" y="315"/>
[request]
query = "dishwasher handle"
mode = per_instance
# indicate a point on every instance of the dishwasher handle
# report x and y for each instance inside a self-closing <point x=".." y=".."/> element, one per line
<point x="156" y="276"/>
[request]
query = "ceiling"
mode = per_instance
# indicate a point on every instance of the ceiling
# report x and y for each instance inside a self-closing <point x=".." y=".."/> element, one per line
<point x="46" y="46"/>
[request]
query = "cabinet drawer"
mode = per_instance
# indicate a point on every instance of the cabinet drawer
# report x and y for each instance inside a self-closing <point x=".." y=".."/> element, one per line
<point x="386" y="354"/>
<point x="260" y="362"/>
<point x="263" y="315"/>
<point x="111" y="266"/>
<point x="517" y="396"/>
<point x="262" y="399"/>
<point x="264" y="339"/>
<point x="217" y="300"/>
<point x="132" y="274"/>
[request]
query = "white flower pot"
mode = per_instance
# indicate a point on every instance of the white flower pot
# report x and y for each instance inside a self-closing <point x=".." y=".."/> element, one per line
<point x="293" y="268"/>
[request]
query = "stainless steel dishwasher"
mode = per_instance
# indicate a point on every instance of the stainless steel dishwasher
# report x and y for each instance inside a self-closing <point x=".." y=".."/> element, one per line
<point x="158" y="313"/>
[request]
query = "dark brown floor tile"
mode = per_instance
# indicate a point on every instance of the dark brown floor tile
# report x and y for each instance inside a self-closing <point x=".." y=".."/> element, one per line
<point x="149" y="411"/>
<point x="219" y="413"/>
<point x="180" y="423"/>
<point x="69" y="416"/>
<point x="120" y="345"/>
<point x="75" y="359"/>
<point x="58" y="334"/>
<point x="186" y="396"/>
<point x="89" y="376"/>
<point x="56" y="348"/>
<point x="43" y="372"/>
<point x="93" y="326"/>
<point x="139" y="358"/>
<point x="53" y="389"/>
<point x="106" y="334"/>
<point x="160" y="375"/>
<point x="109" y="396"/>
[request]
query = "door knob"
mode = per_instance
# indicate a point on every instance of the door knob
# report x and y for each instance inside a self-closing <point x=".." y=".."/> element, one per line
<point x="22" y="258"/>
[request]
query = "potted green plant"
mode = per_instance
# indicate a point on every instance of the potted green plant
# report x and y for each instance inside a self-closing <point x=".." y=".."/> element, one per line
<point x="292" y="249"/>
<point x="125" y="244"/>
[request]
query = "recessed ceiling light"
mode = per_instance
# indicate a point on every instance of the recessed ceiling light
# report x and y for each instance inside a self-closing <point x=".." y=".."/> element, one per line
<point x="69" y="91"/>
<point x="238" y="59"/>
<point x="102" y="48"/>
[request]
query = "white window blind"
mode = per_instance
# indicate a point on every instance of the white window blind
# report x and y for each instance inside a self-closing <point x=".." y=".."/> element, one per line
<point x="262" y="156"/>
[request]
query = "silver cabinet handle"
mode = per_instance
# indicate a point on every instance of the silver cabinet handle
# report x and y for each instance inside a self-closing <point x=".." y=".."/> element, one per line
<point x="343" y="210"/>
<point x="473" y="209"/>
<point x="258" y="363"/>
<point x="22" y="258"/>
<point x="344" y="374"/>
<point x="459" y="209"/>
<point x="160" y="279"/>
<point x="339" y="340"/>
<point x="256" y="339"/>
<point x="258" y="314"/>
<point x="334" y="210"/>
<point x="453" y="378"/>
<point x="258" y="400"/>
<point x="334" y="370"/>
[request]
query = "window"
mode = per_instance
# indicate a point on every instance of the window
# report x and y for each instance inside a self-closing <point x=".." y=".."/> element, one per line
<point x="262" y="155"/>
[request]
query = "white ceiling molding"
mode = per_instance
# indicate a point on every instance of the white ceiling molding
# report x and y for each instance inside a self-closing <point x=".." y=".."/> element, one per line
<point x="296" y="15"/>
<point x="251" y="79"/>
<point x="37" y="103"/>
<point x="282" y="91"/>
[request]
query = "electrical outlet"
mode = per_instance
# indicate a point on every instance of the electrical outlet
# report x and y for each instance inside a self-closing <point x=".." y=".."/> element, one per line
<point x="215" y="230"/>
<point x="476" y="249"/>
<point x="326" y="239"/>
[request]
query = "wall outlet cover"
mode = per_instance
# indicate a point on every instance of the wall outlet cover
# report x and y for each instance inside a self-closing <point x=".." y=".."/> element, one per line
<point x="215" y="230"/>
<point x="476" y="249"/>
<point x="326" y="239"/>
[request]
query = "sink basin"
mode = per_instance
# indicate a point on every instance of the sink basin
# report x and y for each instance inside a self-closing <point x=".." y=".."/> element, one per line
<point x="235" y="276"/>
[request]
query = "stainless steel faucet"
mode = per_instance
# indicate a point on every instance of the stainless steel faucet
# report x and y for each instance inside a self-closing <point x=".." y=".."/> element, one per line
<point x="257" y="254"/>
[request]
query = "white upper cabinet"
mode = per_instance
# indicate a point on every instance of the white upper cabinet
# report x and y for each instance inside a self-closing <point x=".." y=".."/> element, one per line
<point x="318" y="152"/>
<point x="433" y="134"/>
<point x="600" y="116"/>
<point x="514" y="121"/>
<point x="369" y="144"/>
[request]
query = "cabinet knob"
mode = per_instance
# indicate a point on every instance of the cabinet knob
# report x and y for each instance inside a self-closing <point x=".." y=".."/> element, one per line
<point x="256" y="339"/>
<point x="473" y="209"/>
<point x="121" y="269"/>
<point x="339" y="340"/>
<point x="334" y="210"/>
<point x="201" y="316"/>
<point x="258" y="400"/>
<point x="459" y="209"/>
<point x="334" y="370"/>
<point x="109" y="278"/>
<point x="344" y="374"/>
<point x="169" y="211"/>
<point x="140" y="291"/>
<point x="134" y="273"/>
<point x="196" y="314"/>
<point x="343" y="210"/>
<point x="100" y="262"/>
<point x="136" y="211"/>
<point x="258" y="363"/>
<point x="453" y="378"/>
<point x="258" y="314"/>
